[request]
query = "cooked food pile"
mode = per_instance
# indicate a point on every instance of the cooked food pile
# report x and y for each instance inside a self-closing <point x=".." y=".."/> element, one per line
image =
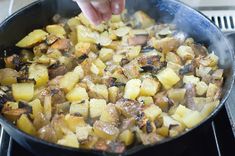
<point x="126" y="82"/>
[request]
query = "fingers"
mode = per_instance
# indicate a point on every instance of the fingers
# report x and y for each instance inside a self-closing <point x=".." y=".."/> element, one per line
<point x="90" y="12"/>
<point x="117" y="6"/>
<point x="103" y="7"/>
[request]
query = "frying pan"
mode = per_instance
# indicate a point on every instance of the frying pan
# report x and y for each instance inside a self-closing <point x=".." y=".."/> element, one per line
<point x="191" y="22"/>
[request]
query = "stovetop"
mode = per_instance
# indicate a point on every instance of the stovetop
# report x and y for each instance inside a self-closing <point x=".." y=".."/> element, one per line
<point x="219" y="139"/>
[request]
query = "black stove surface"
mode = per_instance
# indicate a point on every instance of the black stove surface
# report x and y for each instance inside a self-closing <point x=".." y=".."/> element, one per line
<point x="218" y="140"/>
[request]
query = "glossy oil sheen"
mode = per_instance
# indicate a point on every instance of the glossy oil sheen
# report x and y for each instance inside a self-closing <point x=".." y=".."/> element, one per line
<point x="40" y="13"/>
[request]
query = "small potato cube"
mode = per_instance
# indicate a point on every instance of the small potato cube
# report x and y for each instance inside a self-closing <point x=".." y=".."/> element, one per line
<point x="152" y="112"/>
<point x="82" y="48"/>
<point x="177" y="95"/>
<point x="145" y="100"/>
<point x="69" y="140"/>
<point x="77" y="94"/>
<point x="84" y="34"/>
<point x="94" y="69"/>
<point x="74" y="121"/>
<point x="47" y="107"/>
<point x="78" y="70"/>
<point x="168" y="78"/>
<point x="97" y="107"/>
<point x="113" y="45"/>
<point x="98" y="67"/>
<point x="99" y="91"/>
<point x="211" y="91"/>
<point x="200" y="102"/>
<point x="191" y="79"/>
<point x="68" y="81"/>
<point x="168" y="120"/>
<point x="185" y="52"/>
<point x="149" y="87"/>
<point x="23" y="91"/>
<point x="117" y="58"/>
<point x="32" y="38"/>
<point x="56" y="29"/>
<point x="174" y="66"/>
<point x="24" y="124"/>
<point x="122" y="31"/>
<point x="192" y="119"/>
<point x="105" y="130"/>
<point x="127" y="137"/>
<point x="82" y="132"/>
<point x="39" y="73"/>
<point x="201" y="88"/>
<point x="172" y="57"/>
<point x="132" y="89"/>
<point x="113" y="94"/>
<point x="80" y="108"/>
<point x="36" y="107"/>
<point x="143" y="20"/>
<point x="166" y="44"/>
<point x="209" y="108"/>
<point x="8" y="76"/>
<point x="73" y="22"/>
<point x="210" y="61"/>
<point x="106" y="54"/>
<point x="133" y="52"/>
<point x="110" y="114"/>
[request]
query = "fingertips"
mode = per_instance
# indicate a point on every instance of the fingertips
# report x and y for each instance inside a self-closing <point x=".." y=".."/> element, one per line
<point x="104" y="8"/>
<point x="90" y="12"/>
<point x="117" y="6"/>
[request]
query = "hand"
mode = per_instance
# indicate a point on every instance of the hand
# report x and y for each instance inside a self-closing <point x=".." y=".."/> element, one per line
<point x="100" y="10"/>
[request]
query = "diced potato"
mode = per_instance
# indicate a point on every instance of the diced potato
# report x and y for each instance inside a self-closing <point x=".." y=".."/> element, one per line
<point x="174" y="66"/>
<point x="192" y="119"/>
<point x="104" y="39"/>
<point x="185" y="52"/>
<point x="39" y="73"/>
<point x="106" y="54"/>
<point x="177" y="95"/>
<point x="77" y="94"/>
<point x="80" y="108"/>
<point x="119" y="75"/>
<point x="110" y="114"/>
<point x="84" y="34"/>
<point x="127" y="137"/>
<point x="203" y="71"/>
<point x="47" y="107"/>
<point x="122" y="31"/>
<point x="149" y="87"/>
<point x="36" y="107"/>
<point x="44" y="59"/>
<point x="168" y="120"/>
<point x="188" y="117"/>
<point x="68" y="81"/>
<point x="133" y="52"/>
<point x="218" y="74"/>
<point x="32" y="38"/>
<point x="82" y="132"/>
<point x="191" y="79"/>
<point x="113" y="94"/>
<point x="97" y="107"/>
<point x="211" y="91"/>
<point x="162" y="101"/>
<point x="201" y="88"/>
<point x="8" y="76"/>
<point x="168" y="78"/>
<point x="78" y="70"/>
<point x="211" y="60"/>
<point x="172" y="57"/>
<point x="163" y="131"/>
<point x="166" y="44"/>
<point x="142" y="20"/>
<point x="99" y="91"/>
<point x="117" y="58"/>
<point x="209" y="108"/>
<point x="82" y="48"/>
<point x="73" y="22"/>
<point x="23" y="91"/>
<point x="12" y="105"/>
<point x="98" y="67"/>
<point x="132" y="89"/>
<point x="24" y="124"/>
<point x="200" y="102"/>
<point x="114" y="45"/>
<point x="56" y="29"/>
<point x="152" y="112"/>
<point x="69" y="140"/>
<point x="74" y="121"/>
<point x="105" y="130"/>
<point x="116" y="18"/>
<point x="145" y="99"/>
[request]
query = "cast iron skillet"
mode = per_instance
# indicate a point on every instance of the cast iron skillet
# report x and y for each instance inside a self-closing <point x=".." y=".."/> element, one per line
<point x="194" y="24"/>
